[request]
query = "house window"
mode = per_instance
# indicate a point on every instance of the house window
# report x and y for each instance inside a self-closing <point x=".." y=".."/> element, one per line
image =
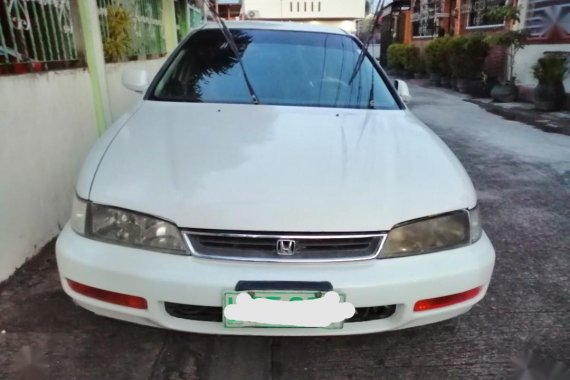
<point x="291" y="6"/>
<point x="424" y="20"/>
<point x="319" y="6"/>
<point x="298" y="7"/>
<point x="477" y="12"/>
<point x="312" y="7"/>
<point x="29" y="43"/>
<point x="305" y="5"/>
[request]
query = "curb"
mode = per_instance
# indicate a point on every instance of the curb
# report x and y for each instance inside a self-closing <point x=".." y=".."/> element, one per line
<point x="545" y="121"/>
<point x="549" y="122"/>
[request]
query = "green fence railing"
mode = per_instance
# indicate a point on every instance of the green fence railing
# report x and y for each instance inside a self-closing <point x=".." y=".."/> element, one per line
<point x="188" y="15"/>
<point x="36" y="35"/>
<point x="146" y="31"/>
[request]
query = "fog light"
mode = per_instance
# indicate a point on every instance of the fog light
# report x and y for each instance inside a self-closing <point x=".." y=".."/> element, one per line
<point x="107" y="296"/>
<point x="435" y="303"/>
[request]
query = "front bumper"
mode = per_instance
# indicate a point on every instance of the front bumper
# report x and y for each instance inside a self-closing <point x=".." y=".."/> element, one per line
<point x="161" y="278"/>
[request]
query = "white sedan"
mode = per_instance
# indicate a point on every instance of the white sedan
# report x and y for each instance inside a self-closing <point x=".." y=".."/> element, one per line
<point x="273" y="182"/>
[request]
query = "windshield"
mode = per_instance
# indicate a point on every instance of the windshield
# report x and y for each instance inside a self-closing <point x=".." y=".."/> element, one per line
<point x="284" y="67"/>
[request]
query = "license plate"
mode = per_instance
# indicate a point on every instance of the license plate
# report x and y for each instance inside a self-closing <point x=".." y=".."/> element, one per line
<point x="281" y="296"/>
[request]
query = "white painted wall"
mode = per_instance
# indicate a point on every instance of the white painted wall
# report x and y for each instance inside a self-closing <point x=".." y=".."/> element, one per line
<point x="346" y="25"/>
<point x="528" y="56"/>
<point x="47" y="125"/>
<point x="122" y="99"/>
<point x="287" y="9"/>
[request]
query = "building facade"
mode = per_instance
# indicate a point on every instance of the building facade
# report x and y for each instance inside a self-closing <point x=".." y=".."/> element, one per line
<point x="432" y="18"/>
<point x="338" y="13"/>
<point x="229" y="9"/>
<point x="546" y="21"/>
<point x="548" y="24"/>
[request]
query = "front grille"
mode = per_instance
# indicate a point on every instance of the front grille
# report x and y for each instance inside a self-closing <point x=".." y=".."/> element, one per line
<point x="284" y="247"/>
<point x="214" y="314"/>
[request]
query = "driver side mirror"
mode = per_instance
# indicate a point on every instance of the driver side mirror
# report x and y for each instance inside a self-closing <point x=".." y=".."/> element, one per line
<point x="403" y="90"/>
<point x="136" y="80"/>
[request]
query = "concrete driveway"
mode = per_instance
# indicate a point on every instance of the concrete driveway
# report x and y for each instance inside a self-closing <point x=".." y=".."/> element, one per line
<point x="523" y="179"/>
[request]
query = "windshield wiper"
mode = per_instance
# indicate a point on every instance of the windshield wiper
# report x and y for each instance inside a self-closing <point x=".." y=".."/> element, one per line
<point x="232" y="43"/>
<point x="362" y="54"/>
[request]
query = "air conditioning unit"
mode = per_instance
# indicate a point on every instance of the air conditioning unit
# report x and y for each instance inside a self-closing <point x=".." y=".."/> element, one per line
<point x="253" y="14"/>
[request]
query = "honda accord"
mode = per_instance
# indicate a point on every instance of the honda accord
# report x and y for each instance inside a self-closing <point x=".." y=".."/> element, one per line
<point x="272" y="181"/>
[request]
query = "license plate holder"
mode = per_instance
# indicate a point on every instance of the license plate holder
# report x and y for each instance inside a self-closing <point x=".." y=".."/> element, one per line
<point x="276" y="295"/>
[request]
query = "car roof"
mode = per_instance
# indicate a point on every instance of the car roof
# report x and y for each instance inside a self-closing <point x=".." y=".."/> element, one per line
<point x="278" y="25"/>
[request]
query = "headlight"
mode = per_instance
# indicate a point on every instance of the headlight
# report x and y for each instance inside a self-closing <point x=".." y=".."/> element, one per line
<point x="124" y="227"/>
<point x="434" y="234"/>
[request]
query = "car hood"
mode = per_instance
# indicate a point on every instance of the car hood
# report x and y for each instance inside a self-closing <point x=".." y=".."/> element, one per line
<point x="279" y="168"/>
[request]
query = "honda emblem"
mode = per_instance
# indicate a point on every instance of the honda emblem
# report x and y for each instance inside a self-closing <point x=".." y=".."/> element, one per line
<point x="286" y="247"/>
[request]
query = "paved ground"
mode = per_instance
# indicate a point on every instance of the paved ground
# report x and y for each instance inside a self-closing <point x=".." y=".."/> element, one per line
<point x="523" y="178"/>
<point x="524" y="112"/>
<point x="552" y="122"/>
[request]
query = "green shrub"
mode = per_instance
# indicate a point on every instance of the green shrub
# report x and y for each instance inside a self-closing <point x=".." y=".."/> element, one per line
<point x="410" y="55"/>
<point x="462" y="57"/>
<point x="396" y="56"/>
<point x="118" y="41"/>
<point x="457" y="57"/>
<point x="550" y="69"/>
<point x="446" y="45"/>
<point x="436" y="56"/>
<point x="420" y="65"/>
<point x="466" y="55"/>
<point x="477" y="50"/>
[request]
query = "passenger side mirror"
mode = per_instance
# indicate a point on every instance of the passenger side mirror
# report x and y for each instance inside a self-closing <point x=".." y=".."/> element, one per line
<point x="403" y="90"/>
<point x="136" y="80"/>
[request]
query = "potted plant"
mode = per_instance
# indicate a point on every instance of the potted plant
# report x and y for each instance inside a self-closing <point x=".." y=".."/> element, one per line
<point x="117" y="42"/>
<point x="550" y="71"/>
<point x="410" y="55"/>
<point x="395" y="58"/>
<point x="512" y="41"/>
<point x="419" y="68"/>
<point x="434" y="55"/>
<point x="446" y="72"/>
<point x="477" y="50"/>
<point x="466" y="59"/>
<point x="455" y="58"/>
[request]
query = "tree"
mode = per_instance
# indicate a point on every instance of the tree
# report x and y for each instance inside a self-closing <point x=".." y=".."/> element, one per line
<point x="513" y="40"/>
